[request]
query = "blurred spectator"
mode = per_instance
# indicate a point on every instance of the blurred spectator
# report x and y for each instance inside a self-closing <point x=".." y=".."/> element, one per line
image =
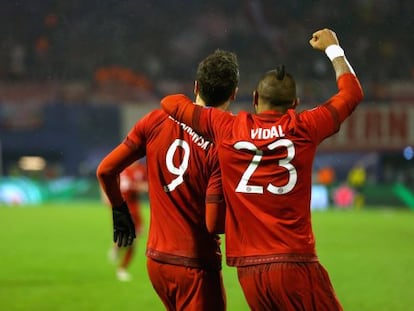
<point x="357" y="180"/>
<point x="343" y="196"/>
<point x="17" y="69"/>
<point x="326" y="176"/>
<point x="143" y="37"/>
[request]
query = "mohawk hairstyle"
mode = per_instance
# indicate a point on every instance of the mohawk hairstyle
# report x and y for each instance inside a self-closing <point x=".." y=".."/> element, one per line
<point x="277" y="87"/>
<point x="280" y="72"/>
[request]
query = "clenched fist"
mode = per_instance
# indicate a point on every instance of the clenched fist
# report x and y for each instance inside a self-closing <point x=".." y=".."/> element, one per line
<point x="321" y="39"/>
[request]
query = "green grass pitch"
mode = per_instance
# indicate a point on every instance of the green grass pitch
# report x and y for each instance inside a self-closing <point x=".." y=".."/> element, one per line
<point x="53" y="257"/>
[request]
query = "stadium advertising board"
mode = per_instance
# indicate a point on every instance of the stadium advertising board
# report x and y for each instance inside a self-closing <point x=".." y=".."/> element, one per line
<point x="375" y="128"/>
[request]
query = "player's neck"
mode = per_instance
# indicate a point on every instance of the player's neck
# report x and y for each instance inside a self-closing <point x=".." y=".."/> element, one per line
<point x="264" y="108"/>
<point x="199" y="101"/>
<point x="222" y="106"/>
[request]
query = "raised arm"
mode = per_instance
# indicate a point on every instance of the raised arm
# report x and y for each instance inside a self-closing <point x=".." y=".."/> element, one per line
<point x="350" y="91"/>
<point x="327" y="41"/>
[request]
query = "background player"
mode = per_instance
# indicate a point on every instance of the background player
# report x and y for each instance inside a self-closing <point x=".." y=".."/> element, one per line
<point x="133" y="184"/>
<point x="184" y="257"/>
<point x="266" y="161"/>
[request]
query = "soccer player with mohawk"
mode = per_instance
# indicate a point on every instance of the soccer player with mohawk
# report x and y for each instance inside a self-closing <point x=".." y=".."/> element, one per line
<point x="266" y="161"/>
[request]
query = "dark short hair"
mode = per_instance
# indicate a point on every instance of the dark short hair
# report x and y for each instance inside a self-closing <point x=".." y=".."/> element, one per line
<point x="277" y="87"/>
<point x="218" y="77"/>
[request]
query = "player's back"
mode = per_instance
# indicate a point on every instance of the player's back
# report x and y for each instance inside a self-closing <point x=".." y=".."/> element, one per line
<point x="266" y="167"/>
<point x="179" y="164"/>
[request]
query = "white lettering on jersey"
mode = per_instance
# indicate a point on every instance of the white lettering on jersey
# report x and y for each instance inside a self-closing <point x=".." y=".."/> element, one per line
<point x="197" y="139"/>
<point x="267" y="133"/>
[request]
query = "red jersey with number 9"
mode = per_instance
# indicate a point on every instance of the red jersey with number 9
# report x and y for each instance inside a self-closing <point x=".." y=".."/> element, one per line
<point x="183" y="173"/>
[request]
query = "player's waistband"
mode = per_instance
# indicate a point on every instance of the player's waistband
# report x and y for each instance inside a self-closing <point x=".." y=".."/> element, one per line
<point x="201" y="263"/>
<point x="257" y="260"/>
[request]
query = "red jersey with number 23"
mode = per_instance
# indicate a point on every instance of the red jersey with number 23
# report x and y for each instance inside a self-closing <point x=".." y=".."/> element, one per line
<point x="266" y="162"/>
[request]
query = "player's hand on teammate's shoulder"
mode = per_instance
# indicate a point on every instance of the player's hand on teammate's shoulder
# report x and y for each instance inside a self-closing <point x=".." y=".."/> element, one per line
<point x="323" y="38"/>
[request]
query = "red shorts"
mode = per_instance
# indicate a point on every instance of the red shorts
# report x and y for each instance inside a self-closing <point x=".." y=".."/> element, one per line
<point x="288" y="286"/>
<point x="186" y="288"/>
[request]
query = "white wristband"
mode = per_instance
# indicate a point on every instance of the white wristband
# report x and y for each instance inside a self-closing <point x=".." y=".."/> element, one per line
<point x="334" y="51"/>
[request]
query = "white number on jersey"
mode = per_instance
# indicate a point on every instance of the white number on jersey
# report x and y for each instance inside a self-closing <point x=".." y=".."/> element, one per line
<point x="178" y="171"/>
<point x="244" y="186"/>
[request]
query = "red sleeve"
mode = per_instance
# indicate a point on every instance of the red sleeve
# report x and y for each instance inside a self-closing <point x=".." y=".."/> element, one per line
<point x="109" y="170"/>
<point x="326" y="119"/>
<point x="215" y="217"/>
<point x="348" y="97"/>
<point x="215" y="206"/>
<point x="126" y="153"/>
<point x="207" y="121"/>
<point x="181" y="108"/>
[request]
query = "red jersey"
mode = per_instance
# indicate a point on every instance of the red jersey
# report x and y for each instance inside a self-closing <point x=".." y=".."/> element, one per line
<point x="183" y="173"/>
<point x="129" y="180"/>
<point x="266" y="162"/>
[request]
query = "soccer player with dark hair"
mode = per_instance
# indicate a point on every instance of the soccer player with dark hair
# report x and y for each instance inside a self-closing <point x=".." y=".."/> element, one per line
<point x="185" y="194"/>
<point x="266" y="162"/>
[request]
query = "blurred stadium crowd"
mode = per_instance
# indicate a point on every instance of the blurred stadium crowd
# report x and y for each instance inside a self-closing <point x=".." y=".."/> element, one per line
<point x="149" y="48"/>
<point x="67" y="66"/>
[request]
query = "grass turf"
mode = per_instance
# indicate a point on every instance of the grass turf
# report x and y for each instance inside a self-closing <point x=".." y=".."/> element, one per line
<point x="53" y="257"/>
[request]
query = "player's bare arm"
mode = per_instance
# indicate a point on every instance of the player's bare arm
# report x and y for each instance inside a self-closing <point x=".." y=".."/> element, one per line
<point x="327" y="41"/>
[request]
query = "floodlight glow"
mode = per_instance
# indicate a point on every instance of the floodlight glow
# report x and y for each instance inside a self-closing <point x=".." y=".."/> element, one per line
<point x="408" y="153"/>
<point x="30" y="163"/>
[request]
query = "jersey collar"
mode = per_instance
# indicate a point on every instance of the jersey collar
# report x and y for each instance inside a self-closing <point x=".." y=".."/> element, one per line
<point x="270" y="114"/>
